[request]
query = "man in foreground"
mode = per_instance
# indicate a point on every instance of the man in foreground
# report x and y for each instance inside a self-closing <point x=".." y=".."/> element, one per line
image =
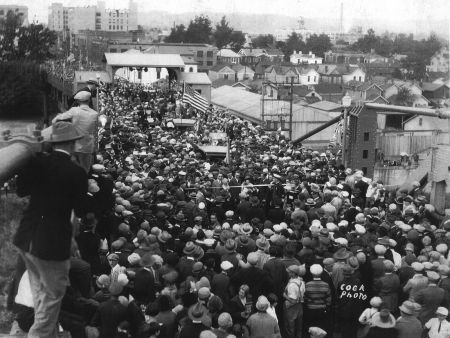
<point x="57" y="186"/>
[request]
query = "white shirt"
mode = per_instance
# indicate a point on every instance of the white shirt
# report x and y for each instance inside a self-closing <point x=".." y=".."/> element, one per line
<point x="271" y="311"/>
<point x="435" y="331"/>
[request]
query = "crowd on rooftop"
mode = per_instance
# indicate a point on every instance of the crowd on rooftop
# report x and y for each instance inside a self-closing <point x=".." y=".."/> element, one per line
<point x="275" y="241"/>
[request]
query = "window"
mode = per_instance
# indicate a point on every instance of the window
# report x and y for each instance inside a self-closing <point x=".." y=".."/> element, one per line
<point x="191" y="69"/>
<point x="364" y="169"/>
<point x="365" y="153"/>
<point x="360" y="79"/>
<point x="309" y="78"/>
<point x="113" y="50"/>
<point x="200" y="54"/>
<point x="209" y="63"/>
<point x="225" y="76"/>
<point x="271" y="92"/>
<point x="366" y="136"/>
<point x="123" y="50"/>
<point x="209" y="54"/>
<point x="199" y="91"/>
<point x="420" y="121"/>
<point x="140" y="74"/>
<point x="354" y="78"/>
<point x="287" y="78"/>
<point x="314" y="79"/>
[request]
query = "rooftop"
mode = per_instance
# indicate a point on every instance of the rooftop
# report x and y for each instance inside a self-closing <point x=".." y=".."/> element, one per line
<point x="195" y="78"/>
<point x="228" y="53"/>
<point x="144" y="60"/>
<point x="326" y="105"/>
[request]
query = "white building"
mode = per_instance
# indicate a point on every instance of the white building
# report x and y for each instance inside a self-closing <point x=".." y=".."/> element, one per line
<point x="92" y="18"/>
<point x="299" y="58"/>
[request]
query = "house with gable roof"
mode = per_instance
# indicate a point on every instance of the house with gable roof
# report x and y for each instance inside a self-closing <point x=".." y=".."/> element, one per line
<point x="251" y="56"/>
<point x="226" y="55"/>
<point x="340" y="74"/>
<point x="365" y="92"/>
<point x="243" y="72"/>
<point x="222" y="71"/>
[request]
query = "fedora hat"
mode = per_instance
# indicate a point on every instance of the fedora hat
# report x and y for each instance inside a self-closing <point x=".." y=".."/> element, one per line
<point x="310" y="202"/>
<point x="189" y="248"/>
<point x="246" y="229"/>
<point x="63" y="131"/>
<point x="197" y="313"/>
<point x="164" y="236"/>
<point x="225" y="235"/>
<point x="341" y="254"/>
<point x="230" y="245"/>
<point x="262" y="243"/>
<point x="408" y="307"/>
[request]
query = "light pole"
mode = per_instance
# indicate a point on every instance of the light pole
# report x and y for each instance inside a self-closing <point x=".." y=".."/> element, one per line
<point x="346" y="103"/>
<point x="97" y="75"/>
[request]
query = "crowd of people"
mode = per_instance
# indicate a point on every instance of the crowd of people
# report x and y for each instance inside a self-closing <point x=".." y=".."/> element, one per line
<point x="275" y="241"/>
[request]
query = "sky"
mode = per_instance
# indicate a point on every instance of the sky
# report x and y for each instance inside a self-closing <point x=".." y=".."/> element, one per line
<point x="389" y="10"/>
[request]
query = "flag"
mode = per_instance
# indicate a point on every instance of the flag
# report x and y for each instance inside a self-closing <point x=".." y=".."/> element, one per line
<point x="194" y="99"/>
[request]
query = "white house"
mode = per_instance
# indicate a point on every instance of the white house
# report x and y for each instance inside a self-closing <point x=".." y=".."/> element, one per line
<point x="300" y="58"/>
<point x="221" y="72"/>
<point x="353" y="74"/>
<point x="226" y="55"/>
<point x="308" y="76"/>
<point x="243" y="72"/>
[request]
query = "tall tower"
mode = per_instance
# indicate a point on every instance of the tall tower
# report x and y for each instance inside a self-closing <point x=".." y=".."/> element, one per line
<point x="341" y="20"/>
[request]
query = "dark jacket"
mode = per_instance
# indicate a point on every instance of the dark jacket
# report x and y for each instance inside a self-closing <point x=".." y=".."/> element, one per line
<point x="56" y="185"/>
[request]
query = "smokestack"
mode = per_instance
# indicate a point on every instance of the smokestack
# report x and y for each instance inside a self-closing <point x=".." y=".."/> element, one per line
<point x="341" y="21"/>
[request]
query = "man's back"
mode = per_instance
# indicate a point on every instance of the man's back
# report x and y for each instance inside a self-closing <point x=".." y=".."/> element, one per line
<point x="56" y="186"/>
<point x="84" y="118"/>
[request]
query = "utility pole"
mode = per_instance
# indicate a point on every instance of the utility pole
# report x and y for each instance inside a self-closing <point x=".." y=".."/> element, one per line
<point x="262" y="98"/>
<point x="291" y="100"/>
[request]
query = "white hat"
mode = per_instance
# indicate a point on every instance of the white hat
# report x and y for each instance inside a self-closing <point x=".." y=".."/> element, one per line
<point x="201" y="205"/>
<point x="343" y="223"/>
<point x="442" y="311"/>
<point x="341" y="241"/>
<point x="360" y="229"/>
<point x="226" y="265"/>
<point x="316" y="269"/>
<point x="82" y="96"/>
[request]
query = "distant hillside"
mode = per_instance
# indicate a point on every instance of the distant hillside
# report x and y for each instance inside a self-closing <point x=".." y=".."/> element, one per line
<point x="269" y="23"/>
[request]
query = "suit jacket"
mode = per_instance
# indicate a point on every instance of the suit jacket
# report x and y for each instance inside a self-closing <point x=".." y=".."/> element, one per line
<point x="236" y="307"/>
<point x="108" y="317"/>
<point x="144" y="286"/>
<point x="56" y="185"/>
<point x="430" y="298"/>
<point x="220" y="286"/>
<point x="257" y="279"/>
<point x="277" y="271"/>
<point x="388" y="287"/>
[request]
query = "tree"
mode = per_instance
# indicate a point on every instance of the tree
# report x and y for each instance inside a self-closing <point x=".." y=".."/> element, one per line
<point x="34" y="42"/>
<point x="8" y="33"/>
<point x="404" y="97"/>
<point x="368" y="42"/>
<point x="177" y="34"/>
<point x="237" y="40"/>
<point x="293" y="43"/>
<point x="199" y="30"/>
<point x="263" y="41"/>
<point x="318" y="44"/>
<point x="222" y="34"/>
